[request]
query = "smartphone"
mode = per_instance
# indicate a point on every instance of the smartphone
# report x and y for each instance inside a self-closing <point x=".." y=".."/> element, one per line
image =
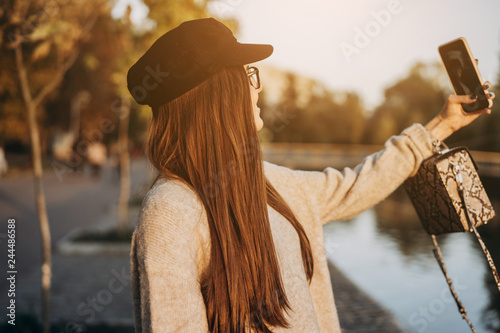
<point x="463" y="73"/>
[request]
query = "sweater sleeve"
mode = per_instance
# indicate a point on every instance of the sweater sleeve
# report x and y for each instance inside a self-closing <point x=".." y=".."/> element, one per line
<point x="337" y="195"/>
<point x="166" y="255"/>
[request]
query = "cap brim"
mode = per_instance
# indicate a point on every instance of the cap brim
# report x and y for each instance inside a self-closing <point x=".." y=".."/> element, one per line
<point x="249" y="53"/>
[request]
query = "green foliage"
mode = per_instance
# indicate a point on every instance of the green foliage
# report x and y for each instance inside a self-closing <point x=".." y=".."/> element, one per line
<point x="414" y="99"/>
<point x="325" y="116"/>
<point x="50" y="32"/>
<point x="13" y="125"/>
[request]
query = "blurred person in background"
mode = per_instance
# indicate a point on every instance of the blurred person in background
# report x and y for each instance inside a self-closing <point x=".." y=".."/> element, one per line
<point x="4" y="167"/>
<point x="96" y="157"/>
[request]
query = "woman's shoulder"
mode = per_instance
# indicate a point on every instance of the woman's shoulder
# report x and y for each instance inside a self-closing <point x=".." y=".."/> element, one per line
<point x="171" y="224"/>
<point x="170" y="201"/>
<point x="171" y="192"/>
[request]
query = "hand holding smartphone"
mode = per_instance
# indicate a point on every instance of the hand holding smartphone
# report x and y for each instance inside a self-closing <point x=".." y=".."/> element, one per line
<point x="463" y="73"/>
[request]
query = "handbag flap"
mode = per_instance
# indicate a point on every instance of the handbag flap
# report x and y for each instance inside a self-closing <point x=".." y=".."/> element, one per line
<point x="451" y="151"/>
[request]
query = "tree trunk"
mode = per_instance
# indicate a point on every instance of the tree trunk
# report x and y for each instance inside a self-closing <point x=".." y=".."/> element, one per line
<point x="36" y="153"/>
<point x="32" y="103"/>
<point x="42" y="216"/>
<point x="78" y="102"/>
<point x="124" y="167"/>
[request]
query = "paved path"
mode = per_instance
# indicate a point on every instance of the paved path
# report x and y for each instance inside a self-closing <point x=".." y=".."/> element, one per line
<point x="73" y="200"/>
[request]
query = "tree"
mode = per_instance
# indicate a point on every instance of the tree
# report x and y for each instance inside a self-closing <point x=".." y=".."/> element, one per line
<point x="282" y="117"/>
<point x="414" y="99"/>
<point x="335" y="117"/>
<point x="314" y="114"/>
<point x="44" y="32"/>
<point x="124" y="121"/>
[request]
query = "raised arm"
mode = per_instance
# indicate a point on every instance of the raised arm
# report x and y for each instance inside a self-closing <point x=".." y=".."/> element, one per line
<point x="344" y="194"/>
<point x="336" y="195"/>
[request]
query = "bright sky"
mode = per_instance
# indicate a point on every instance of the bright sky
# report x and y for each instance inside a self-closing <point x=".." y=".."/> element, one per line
<point x="364" y="45"/>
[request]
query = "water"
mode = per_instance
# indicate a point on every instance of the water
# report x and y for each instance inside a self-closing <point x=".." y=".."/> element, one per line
<point x="386" y="252"/>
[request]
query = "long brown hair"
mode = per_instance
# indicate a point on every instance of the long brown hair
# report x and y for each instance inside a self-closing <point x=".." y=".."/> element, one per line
<point x="207" y="138"/>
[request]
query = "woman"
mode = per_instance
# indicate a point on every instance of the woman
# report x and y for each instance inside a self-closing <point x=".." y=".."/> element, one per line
<point x="227" y="242"/>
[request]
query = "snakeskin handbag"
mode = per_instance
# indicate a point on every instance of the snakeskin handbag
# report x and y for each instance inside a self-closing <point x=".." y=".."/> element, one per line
<point x="449" y="197"/>
<point x="435" y="195"/>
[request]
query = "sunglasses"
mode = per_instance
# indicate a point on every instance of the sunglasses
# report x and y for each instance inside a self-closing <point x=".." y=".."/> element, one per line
<point x="253" y="74"/>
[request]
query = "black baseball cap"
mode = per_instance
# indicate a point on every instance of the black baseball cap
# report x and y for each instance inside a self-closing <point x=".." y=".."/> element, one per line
<point x="186" y="56"/>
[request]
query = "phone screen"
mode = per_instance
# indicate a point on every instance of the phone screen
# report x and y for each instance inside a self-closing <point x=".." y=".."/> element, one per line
<point x="463" y="73"/>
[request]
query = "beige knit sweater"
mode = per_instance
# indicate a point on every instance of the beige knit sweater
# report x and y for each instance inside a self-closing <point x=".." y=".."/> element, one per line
<point x="170" y="246"/>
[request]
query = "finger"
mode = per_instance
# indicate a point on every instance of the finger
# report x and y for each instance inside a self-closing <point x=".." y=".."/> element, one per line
<point x="458" y="99"/>
<point x="490" y="95"/>
<point x="477" y="61"/>
<point x="478" y="112"/>
<point x="486" y="85"/>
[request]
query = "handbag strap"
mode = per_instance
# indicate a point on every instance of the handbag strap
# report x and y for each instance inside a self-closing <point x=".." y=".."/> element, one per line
<point x="472" y="227"/>
<point x="439" y="258"/>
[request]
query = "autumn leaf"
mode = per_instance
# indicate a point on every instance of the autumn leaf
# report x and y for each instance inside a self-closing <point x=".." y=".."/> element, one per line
<point x="90" y="61"/>
<point x="41" y="51"/>
<point x="41" y="32"/>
